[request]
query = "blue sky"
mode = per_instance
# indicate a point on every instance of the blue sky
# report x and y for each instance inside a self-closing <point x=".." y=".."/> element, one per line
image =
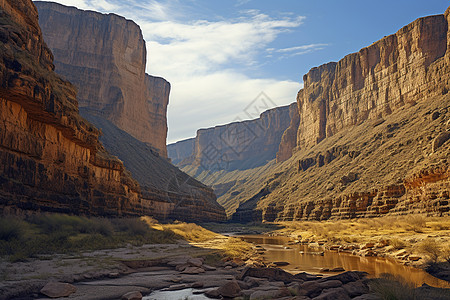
<point x="220" y="55"/>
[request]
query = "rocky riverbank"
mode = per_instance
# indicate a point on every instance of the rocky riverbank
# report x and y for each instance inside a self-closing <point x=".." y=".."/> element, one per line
<point x="200" y="268"/>
<point x="415" y="241"/>
<point x="229" y="279"/>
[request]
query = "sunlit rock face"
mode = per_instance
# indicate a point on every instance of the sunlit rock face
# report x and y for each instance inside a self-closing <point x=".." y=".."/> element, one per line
<point x="51" y="157"/>
<point x="104" y="56"/>
<point x="372" y="135"/>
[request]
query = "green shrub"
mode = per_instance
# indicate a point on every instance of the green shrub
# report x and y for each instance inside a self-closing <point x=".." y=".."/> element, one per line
<point x="134" y="226"/>
<point x="11" y="228"/>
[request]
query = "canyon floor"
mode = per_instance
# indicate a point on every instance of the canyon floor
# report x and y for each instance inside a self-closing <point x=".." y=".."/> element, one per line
<point x="212" y="262"/>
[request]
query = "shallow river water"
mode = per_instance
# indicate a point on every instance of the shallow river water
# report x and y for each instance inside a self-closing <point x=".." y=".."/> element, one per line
<point x="302" y="258"/>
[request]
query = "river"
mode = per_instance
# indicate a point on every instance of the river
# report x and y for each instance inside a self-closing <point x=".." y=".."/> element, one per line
<point x="302" y="258"/>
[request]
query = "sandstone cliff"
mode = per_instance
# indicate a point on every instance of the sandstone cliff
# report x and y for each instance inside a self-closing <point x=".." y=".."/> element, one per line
<point x="224" y="156"/>
<point x="51" y="158"/>
<point x="173" y="194"/>
<point x="373" y="134"/>
<point x="181" y="150"/>
<point x="235" y="146"/>
<point x="105" y="56"/>
<point x="289" y="138"/>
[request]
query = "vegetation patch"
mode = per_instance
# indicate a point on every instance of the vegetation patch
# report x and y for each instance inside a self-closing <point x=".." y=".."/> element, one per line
<point x="59" y="233"/>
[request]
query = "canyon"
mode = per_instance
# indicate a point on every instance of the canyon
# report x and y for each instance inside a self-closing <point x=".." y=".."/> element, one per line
<point x="52" y="159"/>
<point x="367" y="136"/>
<point x="219" y="153"/>
<point x="371" y="136"/>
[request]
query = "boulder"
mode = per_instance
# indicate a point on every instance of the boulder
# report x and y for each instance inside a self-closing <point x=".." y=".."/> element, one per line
<point x="195" y="262"/>
<point x="330" y="284"/>
<point x="356" y="288"/>
<point x="440" y="140"/>
<point x="346" y="277"/>
<point x="333" y="294"/>
<point x="270" y="294"/>
<point x="272" y="274"/>
<point x="193" y="270"/>
<point x="230" y="289"/>
<point x="132" y="296"/>
<point x="310" y="289"/>
<point x="58" y="289"/>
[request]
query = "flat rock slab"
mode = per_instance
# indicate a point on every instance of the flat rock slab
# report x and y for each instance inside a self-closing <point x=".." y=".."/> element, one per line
<point x="98" y="292"/>
<point x="58" y="289"/>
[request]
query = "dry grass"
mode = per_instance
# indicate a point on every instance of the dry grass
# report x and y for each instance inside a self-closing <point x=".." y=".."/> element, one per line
<point x="402" y="232"/>
<point x="189" y="231"/>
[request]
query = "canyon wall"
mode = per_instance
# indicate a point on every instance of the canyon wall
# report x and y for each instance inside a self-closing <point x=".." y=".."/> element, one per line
<point x="104" y="56"/>
<point x="373" y="134"/>
<point x="51" y="157"/>
<point x="224" y="156"/>
<point x="400" y="69"/>
<point x="181" y="150"/>
<point x="289" y="138"/>
<point x="235" y="146"/>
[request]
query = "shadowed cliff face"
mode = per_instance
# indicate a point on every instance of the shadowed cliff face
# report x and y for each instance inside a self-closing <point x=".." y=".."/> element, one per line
<point x="104" y="56"/>
<point x="372" y="135"/>
<point x="51" y="158"/>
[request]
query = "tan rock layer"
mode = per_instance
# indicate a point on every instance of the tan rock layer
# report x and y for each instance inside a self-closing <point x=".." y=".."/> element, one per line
<point x="104" y="56"/>
<point x="289" y="138"/>
<point x="402" y="68"/>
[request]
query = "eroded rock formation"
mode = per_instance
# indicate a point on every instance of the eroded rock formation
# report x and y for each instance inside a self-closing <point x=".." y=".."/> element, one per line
<point x="181" y="150"/>
<point x="372" y="136"/>
<point x="104" y="56"/>
<point x="51" y="158"/>
<point x="235" y="146"/>
<point x="289" y="138"/>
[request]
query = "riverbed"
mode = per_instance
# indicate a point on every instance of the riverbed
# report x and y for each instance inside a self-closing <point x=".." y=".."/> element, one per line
<point x="302" y="258"/>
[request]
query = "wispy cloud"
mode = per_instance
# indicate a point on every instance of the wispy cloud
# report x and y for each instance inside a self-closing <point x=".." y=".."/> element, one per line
<point x="297" y="50"/>
<point x="202" y="58"/>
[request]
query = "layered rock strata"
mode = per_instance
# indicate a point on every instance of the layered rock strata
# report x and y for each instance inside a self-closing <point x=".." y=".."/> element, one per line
<point x="235" y="146"/>
<point x="104" y="56"/>
<point x="181" y="150"/>
<point x="289" y="137"/>
<point x="373" y="134"/>
<point x="173" y="194"/>
<point x="51" y="158"/>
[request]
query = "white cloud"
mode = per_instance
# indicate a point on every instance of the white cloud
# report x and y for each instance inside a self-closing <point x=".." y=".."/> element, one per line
<point x="201" y="58"/>
<point x="219" y="98"/>
<point x="303" y="47"/>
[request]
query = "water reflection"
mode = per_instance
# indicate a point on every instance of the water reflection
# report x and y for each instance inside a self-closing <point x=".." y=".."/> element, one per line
<point x="301" y="258"/>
